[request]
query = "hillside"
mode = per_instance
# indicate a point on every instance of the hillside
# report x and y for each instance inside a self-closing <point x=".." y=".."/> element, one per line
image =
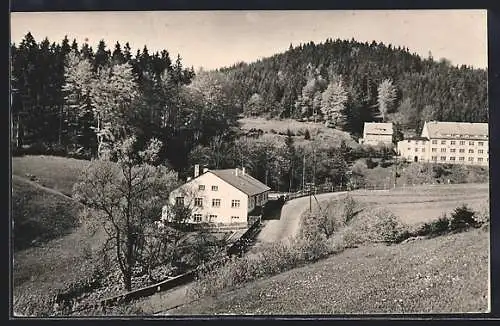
<point x="52" y="249"/>
<point x="286" y="84"/>
<point x="40" y="214"/>
<point x="277" y="129"/>
<point x="447" y="274"/>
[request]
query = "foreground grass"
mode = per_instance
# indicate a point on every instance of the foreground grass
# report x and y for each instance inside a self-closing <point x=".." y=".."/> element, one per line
<point x="58" y="173"/>
<point x="442" y="275"/>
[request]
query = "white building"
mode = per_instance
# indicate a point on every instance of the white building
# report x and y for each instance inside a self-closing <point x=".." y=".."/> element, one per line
<point x="376" y="133"/>
<point x="219" y="196"/>
<point x="448" y="142"/>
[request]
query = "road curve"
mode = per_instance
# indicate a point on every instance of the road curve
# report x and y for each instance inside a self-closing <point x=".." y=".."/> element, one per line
<point x="288" y="224"/>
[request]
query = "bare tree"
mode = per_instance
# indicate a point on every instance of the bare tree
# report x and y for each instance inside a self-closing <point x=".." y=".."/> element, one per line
<point x="129" y="195"/>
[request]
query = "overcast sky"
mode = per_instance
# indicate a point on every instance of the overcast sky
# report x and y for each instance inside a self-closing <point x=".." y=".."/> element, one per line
<point x="214" y="39"/>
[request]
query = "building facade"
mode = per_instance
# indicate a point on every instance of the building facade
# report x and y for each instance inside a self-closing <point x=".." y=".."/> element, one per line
<point x="448" y="142"/>
<point x="376" y="133"/>
<point x="220" y="197"/>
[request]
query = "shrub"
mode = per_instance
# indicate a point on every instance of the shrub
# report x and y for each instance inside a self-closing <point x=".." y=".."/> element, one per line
<point x="462" y="218"/>
<point x="307" y="135"/>
<point x="273" y="131"/>
<point x="379" y="225"/>
<point x="434" y="228"/>
<point x="370" y="163"/>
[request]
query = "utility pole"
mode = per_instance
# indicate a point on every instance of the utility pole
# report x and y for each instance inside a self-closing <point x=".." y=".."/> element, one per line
<point x="304" y="172"/>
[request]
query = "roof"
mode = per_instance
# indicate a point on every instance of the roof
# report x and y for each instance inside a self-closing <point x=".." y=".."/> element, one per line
<point x="416" y="138"/>
<point x="378" y="128"/>
<point x="244" y="182"/>
<point x="439" y="129"/>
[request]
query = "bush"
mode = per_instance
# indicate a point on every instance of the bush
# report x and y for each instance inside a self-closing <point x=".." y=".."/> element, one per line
<point x="434" y="228"/>
<point x="307" y="135"/>
<point x="370" y="163"/>
<point x="379" y="225"/>
<point x="462" y="219"/>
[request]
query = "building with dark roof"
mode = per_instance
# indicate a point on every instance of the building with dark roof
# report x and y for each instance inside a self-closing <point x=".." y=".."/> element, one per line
<point x="223" y="197"/>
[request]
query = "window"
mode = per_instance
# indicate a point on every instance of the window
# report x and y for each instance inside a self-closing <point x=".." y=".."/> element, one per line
<point x="452" y="158"/>
<point x="212" y="217"/>
<point x="201" y="187"/>
<point x="462" y="142"/>
<point x="215" y="188"/>
<point x="423" y="149"/>
<point x="471" y="143"/>
<point x="198" y="202"/>
<point x="452" y="150"/>
<point x="443" y="142"/>
<point x="215" y="202"/>
<point x="471" y="159"/>
<point x="434" y="141"/>
<point x="235" y="203"/>
<point x="235" y="217"/>
<point x="452" y="142"/>
<point x="434" y="158"/>
<point x="179" y="200"/>
<point x="480" y="143"/>
<point x="409" y="149"/>
<point x="434" y="149"/>
<point x="480" y="151"/>
<point x="443" y="158"/>
<point x="461" y="150"/>
<point x="461" y="158"/>
<point x="479" y="159"/>
<point x="197" y="217"/>
<point x="443" y="150"/>
<point x="471" y="151"/>
<point x="416" y="150"/>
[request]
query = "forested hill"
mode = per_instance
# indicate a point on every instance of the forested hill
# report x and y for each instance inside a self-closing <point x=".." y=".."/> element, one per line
<point x="290" y="84"/>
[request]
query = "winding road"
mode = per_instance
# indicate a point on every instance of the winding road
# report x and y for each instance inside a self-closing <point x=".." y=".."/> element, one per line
<point x="288" y="224"/>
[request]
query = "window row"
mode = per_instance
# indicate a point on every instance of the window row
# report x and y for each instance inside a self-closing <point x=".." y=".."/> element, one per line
<point x="202" y="187"/>
<point x="211" y="217"/>
<point x="453" y="158"/>
<point x="216" y="202"/>
<point x="460" y="150"/>
<point x="454" y="142"/>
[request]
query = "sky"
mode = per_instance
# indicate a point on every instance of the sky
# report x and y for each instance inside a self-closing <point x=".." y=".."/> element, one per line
<point x="213" y="39"/>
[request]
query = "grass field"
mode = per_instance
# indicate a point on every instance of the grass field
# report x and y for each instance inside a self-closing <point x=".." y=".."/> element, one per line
<point x="318" y="131"/>
<point x="419" y="204"/>
<point x="441" y="275"/>
<point x="57" y="173"/>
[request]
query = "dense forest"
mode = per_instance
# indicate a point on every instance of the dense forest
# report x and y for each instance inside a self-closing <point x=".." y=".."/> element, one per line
<point x="69" y="99"/>
<point x="293" y="84"/>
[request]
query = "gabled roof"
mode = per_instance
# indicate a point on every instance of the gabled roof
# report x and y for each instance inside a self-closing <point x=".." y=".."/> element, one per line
<point x="439" y="129"/>
<point x="378" y="128"/>
<point x="244" y="182"/>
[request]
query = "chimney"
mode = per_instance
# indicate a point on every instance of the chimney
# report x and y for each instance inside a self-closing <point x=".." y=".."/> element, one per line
<point x="236" y="172"/>
<point x="243" y="171"/>
<point x="196" y="170"/>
